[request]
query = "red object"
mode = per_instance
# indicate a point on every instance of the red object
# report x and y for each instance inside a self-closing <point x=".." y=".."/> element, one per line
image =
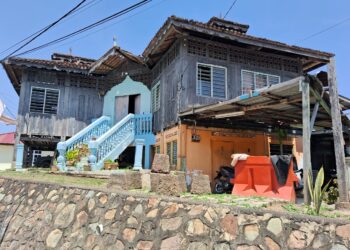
<point x="256" y="176"/>
<point x="7" y="138"/>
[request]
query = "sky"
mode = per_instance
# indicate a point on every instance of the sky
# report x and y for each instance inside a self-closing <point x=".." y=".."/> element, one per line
<point x="285" y="21"/>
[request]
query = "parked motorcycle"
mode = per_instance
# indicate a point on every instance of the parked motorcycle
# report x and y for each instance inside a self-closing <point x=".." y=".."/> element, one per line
<point x="222" y="181"/>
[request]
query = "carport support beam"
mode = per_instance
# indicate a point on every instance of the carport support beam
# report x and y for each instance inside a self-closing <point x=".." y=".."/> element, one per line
<point x="342" y="170"/>
<point x="305" y="89"/>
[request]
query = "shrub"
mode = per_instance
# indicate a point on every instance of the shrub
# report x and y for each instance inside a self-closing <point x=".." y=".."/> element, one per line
<point x="332" y="194"/>
<point x="316" y="191"/>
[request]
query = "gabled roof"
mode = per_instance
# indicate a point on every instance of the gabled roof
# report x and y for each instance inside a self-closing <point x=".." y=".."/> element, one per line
<point x="112" y="59"/>
<point x="230" y="32"/>
<point x="7" y="138"/>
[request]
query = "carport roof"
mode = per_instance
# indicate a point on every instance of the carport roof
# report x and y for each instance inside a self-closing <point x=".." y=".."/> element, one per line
<point x="276" y="105"/>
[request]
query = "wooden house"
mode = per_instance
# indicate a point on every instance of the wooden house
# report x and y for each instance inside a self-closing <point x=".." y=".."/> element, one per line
<point x="213" y="90"/>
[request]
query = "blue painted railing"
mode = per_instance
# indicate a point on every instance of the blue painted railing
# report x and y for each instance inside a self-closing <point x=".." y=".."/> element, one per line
<point x="143" y="124"/>
<point x="111" y="144"/>
<point x="94" y="130"/>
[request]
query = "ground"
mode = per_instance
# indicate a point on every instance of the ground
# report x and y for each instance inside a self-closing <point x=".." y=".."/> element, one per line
<point x="44" y="175"/>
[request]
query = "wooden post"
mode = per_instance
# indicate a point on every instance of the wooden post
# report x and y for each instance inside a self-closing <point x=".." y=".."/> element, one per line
<point x="305" y="88"/>
<point x="342" y="171"/>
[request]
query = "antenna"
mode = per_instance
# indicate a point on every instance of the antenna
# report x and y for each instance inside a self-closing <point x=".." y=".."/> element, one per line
<point x="70" y="51"/>
<point x="114" y="41"/>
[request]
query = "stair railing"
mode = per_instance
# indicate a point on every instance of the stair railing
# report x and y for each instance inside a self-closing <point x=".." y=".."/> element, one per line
<point x="112" y="143"/>
<point x="94" y="130"/>
<point x="143" y="124"/>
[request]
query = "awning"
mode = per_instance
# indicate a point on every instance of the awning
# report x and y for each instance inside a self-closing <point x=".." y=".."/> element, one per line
<point x="278" y="105"/>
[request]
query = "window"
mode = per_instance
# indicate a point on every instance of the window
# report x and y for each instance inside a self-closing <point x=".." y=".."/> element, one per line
<point x="44" y="100"/>
<point x="275" y="149"/>
<point x="171" y="150"/>
<point x="156" y="97"/>
<point x="157" y="149"/>
<point x="255" y="80"/>
<point x="211" y="81"/>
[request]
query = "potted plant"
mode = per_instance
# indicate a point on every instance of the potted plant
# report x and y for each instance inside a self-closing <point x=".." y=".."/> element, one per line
<point x="114" y="165"/>
<point x="72" y="157"/>
<point x="107" y="164"/>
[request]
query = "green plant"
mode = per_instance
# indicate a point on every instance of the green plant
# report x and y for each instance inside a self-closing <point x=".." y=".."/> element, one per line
<point x="332" y="194"/>
<point x="72" y="155"/>
<point x="109" y="161"/>
<point x="316" y="192"/>
<point x="282" y="135"/>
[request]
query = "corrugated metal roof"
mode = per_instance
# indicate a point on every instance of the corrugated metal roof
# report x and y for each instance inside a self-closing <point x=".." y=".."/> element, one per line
<point x="7" y="138"/>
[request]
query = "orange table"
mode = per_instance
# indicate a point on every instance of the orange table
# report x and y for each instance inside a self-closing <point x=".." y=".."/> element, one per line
<point x="256" y="176"/>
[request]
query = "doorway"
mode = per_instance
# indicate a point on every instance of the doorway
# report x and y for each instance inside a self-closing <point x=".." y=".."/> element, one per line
<point x="124" y="105"/>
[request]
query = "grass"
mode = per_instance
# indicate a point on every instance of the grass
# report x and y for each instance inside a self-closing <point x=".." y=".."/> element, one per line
<point x="44" y="175"/>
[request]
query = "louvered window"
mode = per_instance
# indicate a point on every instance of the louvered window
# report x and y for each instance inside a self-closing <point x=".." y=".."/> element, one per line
<point x="44" y="100"/>
<point x="255" y="80"/>
<point x="211" y="81"/>
<point x="171" y="150"/>
<point x="156" y="97"/>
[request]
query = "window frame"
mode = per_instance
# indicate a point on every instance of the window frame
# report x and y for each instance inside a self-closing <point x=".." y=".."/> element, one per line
<point x="254" y="78"/>
<point x="170" y="150"/>
<point x="211" y="80"/>
<point x="155" y="106"/>
<point x="44" y="105"/>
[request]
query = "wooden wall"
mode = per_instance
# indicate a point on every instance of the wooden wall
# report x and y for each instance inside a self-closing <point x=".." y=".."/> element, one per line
<point x="180" y="75"/>
<point x="78" y="105"/>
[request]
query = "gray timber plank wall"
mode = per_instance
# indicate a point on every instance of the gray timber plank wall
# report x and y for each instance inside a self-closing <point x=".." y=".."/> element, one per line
<point x="185" y="64"/>
<point x="76" y="108"/>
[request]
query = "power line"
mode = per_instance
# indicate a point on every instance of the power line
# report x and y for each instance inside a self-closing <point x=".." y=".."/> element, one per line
<point x="324" y="30"/>
<point x="86" y="28"/>
<point x="228" y="11"/>
<point x="47" y="28"/>
<point x="77" y="11"/>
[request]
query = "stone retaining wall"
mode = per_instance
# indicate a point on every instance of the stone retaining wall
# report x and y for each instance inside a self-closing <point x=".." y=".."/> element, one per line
<point x="44" y="216"/>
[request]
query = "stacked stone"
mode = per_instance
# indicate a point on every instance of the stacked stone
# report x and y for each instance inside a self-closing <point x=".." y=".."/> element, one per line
<point x="45" y="216"/>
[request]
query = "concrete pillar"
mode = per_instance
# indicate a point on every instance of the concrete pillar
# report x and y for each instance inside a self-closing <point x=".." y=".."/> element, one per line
<point x="138" y="154"/>
<point x="19" y="156"/>
<point x="147" y="156"/>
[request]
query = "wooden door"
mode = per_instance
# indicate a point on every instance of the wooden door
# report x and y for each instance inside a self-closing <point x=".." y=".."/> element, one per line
<point x="245" y="147"/>
<point x="121" y="107"/>
<point x="221" y="155"/>
<point x="138" y="104"/>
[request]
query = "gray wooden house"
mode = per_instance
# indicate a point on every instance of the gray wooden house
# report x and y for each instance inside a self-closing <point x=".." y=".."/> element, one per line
<point x="215" y="90"/>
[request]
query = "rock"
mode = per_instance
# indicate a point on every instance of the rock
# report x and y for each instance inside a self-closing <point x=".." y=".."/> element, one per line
<point x="119" y="245"/>
<point x="161" y="163"/>
<point x="129" y="234"/>
<point x="90" y="241"/>
<point x="171" y="224"/>
<point x="275" y="226"/>
<point x="297" y="240"/>
<point x="91" y="204"/>
<point x="51" y="194"/>
<point x="153" y="202"/>
<point x="339" y="247"/>
<point x="39" y="198"/>
<point x="222" y="246"/>
<point x="125" y="180"/>
<point x="144" y="245"/>
<point x="172" y="243"/>
<point x="172" y="209"/>
<point x="251" y="232"/>
<point x="321" y="241"/>
<point x="271" y="244"/>
<point x="145" y="179"/>
<point x="110" y="214"/>
<point x="82" y="219"/>
<point x="247" y="247"/>
<point x="210" y="215"/>
<point x="138" y="210"/>
<point x="103" y="199"/>
<point x="66" y="216"/>
<point x="152" y="214"/>
<point x="131" y="221"/>
<point x="200" y="184"/>
<point x="198" y="246"/>
<point x="169" y="185"/>
<point x="196" y="210"/>
<point x="229" y="225"/>
<point x="196" y="227"/>
<point x="343" y="231"/>
<point x="53" y="238"/>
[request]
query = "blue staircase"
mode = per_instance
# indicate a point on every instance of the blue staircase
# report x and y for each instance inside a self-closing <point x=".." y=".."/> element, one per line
<point x="107" y="142"/>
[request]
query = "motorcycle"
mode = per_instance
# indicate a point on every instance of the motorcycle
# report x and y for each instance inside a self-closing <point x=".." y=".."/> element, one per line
<point x="223" y="180"/>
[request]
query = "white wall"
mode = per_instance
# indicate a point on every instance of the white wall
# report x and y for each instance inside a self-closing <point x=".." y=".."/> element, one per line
<point x="6" y="156"/>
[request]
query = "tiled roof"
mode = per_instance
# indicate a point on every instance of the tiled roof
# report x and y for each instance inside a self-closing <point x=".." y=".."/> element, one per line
<point x="177" y="21"/>
<point x="7" y="138"/>
<point x="59" y="61"/>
